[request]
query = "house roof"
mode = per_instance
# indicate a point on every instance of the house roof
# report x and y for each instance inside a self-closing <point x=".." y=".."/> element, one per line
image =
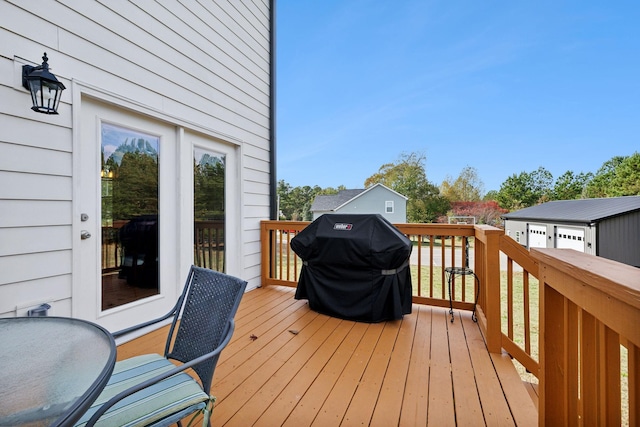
<point x="334" y="201"/>
<point x="330" y="202"/>
<point x="582" y="210"/>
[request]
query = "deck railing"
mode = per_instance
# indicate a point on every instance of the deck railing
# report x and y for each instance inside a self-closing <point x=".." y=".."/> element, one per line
<point x="209" y="244"/>
<point x="590" y="345"/>
<point x="437" y="246"/>
<point x="563" y="315"/>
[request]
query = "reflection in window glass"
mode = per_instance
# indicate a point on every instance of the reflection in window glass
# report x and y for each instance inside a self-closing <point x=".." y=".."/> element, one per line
<point x="209" y="209"/>
<point x="129" y="178"/>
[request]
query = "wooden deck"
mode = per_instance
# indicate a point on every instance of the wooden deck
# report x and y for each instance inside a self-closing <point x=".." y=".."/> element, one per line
<point x="287" y="365"/>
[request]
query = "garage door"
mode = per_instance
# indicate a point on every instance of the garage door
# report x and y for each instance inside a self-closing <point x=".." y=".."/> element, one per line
<point x="570" y="238"/>
<point x="537" y="237"/>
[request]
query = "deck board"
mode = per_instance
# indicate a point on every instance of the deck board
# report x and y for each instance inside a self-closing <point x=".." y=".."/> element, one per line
<point x="467" y="403"/>
<point x="440" y="411"/>
<point x="287" y="365"/>
<point x="416" y="392"/>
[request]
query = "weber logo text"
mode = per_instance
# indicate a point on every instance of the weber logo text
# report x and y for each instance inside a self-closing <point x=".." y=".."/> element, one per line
<point x="342" y="226"/>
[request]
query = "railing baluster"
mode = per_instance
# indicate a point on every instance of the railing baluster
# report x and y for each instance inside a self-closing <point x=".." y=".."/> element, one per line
<point x="510" y="298"/>
<point x="633" y="368"/>
<point x="431" y="278"/>
<point x="526" y="312"/>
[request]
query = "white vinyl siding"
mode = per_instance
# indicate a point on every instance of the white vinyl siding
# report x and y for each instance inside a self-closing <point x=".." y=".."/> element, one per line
<point x="375" y="200"/>
<point x="201" y="66"/>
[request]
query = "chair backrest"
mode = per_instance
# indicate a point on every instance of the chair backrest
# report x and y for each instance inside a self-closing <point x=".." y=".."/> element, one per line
<point x="208" y="303"/>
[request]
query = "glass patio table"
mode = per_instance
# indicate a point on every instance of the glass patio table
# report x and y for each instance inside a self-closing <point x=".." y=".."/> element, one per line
<point x="51" y="369"/>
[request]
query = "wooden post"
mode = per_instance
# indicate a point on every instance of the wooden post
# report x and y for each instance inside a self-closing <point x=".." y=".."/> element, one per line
<point x="265" y="262"/>
<point x="490" y="285"/>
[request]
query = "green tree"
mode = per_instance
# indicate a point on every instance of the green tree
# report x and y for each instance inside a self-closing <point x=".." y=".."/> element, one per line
<point x="208" y="182"/>
<point x="626" y="181"/>
<point x="468" y="187"/>
<point x="490" y="195"/>
<point x="525" y="189"/>
<point x="135" y="186"/>
<point x="570" y="186"/>
<point x="285" y="202"/>
<point x="407" y="176"/>
<point x="428" y="205"/>
<point x="295" y="202"/>
<point x="302" y="198"/>
<point x="602" y="183"/>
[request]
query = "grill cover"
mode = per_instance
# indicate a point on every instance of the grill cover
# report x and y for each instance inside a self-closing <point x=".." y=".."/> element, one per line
<point x="356" y="267"/>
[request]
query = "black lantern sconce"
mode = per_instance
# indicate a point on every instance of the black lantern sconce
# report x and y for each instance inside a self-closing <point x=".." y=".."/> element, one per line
<point x="45" y="88"/>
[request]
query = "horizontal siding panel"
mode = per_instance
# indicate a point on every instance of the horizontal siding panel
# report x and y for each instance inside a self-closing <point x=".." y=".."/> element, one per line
<point x="21" y="268"/>
<point x="238" y="35"/>
<point x="255" y="175"/>
<point x="52" y="290"/>
<point x="25" y="240"/>
<point x="256" y="187"/>
<point x="17" y="18"/>
<point x="198" y="109"/>
<point x="21" y="158"/>
<point x="225" y="120"/>
<point x="258" y="205"/>
<point x="173" y="99"/>
<point x="253" y="17"/>
<point x="28" y="186"/>
<point x="256" y="164"/>
<point x="7" y="73"/>
<point x="253" y="244"/>
<point x="250" y="17"/>
<point x="258" y="152"/>
<point x="160" y="59"/>
<point x="204" y="28"/>
<point x="40" y="134"/>
<point x="29" y="213"/>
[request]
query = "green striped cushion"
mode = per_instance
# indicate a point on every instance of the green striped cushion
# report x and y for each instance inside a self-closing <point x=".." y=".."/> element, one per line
<point x="150" y="404"/>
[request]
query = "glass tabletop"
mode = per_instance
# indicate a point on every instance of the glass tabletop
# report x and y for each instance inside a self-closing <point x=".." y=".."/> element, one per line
<point x="51" y="369"/>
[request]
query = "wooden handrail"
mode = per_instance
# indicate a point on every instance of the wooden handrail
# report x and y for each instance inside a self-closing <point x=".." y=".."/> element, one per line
<point x="589" y="308"/>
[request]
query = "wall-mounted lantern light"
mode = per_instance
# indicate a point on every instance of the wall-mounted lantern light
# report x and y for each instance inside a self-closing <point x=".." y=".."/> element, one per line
<point x="45" y="88"/>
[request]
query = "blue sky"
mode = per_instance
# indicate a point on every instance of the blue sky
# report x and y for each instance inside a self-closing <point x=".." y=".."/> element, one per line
<point x="501" y="86"/>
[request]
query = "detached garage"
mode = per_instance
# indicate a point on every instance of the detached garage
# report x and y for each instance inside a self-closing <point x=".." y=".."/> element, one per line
<point x="608" y="227"/>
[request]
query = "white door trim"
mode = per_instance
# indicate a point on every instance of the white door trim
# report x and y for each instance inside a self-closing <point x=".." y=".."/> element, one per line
<point x="182" y="127"/>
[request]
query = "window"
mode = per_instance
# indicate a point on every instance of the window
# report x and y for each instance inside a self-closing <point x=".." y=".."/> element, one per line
<point x="129" y="178"/>
<point x="209" y="209"/>
<point x="388" y="206"/>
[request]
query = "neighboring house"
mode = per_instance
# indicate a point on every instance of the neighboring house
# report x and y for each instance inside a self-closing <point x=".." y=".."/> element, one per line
<point x="162" y="100"/>
<point x="376" y="199"/>
<point x="608" y="227"/>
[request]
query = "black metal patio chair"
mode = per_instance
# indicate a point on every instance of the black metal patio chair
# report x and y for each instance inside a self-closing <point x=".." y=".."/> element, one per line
<point x="150" y="389"/>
